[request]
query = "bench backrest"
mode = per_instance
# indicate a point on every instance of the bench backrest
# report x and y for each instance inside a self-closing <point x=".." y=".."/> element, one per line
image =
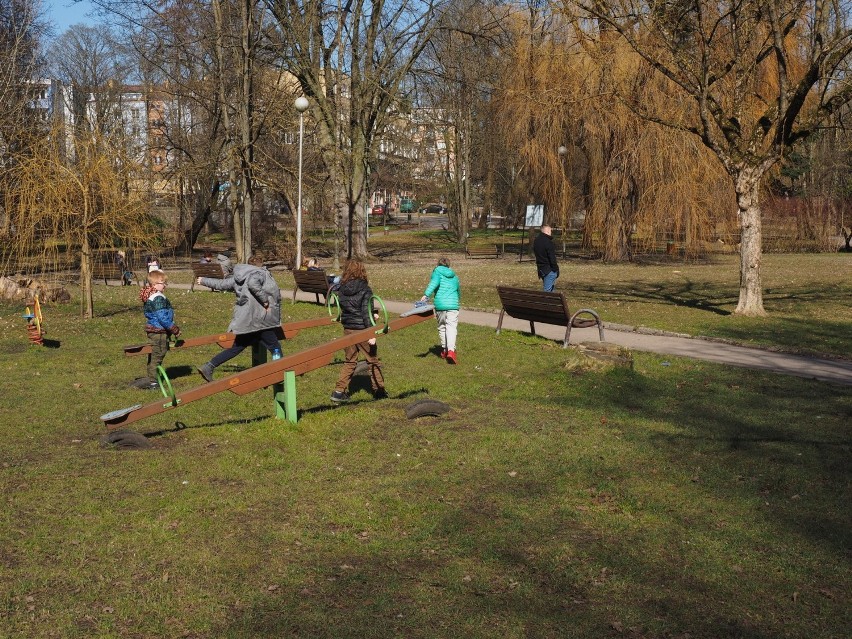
<point x="106" y="269"/>
<point x="311" y="281"/>
<point x="208" y="270"/>
<point x="534" y="306"/>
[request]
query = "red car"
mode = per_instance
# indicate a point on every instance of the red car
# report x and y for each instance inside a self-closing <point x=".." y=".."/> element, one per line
<point x="379" y="209"/>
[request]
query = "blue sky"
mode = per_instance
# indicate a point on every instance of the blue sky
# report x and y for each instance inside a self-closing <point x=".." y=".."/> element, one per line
<point x="64" y="13"/>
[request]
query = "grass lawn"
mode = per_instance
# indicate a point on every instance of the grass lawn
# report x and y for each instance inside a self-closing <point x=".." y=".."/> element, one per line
<point x="557" y="499"/>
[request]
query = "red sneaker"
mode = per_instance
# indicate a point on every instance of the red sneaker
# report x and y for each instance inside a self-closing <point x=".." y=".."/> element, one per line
<point x="451" y="357"/>
<point x="443" y="353"/>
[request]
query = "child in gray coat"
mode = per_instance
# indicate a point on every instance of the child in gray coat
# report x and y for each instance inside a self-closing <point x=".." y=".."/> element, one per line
<point x="257" y="311"/>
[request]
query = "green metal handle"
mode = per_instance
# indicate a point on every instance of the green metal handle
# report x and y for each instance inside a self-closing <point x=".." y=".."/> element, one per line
<point x="166" y="387"/>
<point x="384" y="329"/>
<point x="333" y="298"/>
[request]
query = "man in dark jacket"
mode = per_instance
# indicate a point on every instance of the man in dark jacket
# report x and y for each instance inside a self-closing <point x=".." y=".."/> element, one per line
<point x="545" y="259"/>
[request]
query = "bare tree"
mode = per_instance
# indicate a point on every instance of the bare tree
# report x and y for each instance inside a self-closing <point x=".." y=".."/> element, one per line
<point x="759" y="74"/>
<point x="174" y="46"/>
<point x="238" y="31"/>
<point x="205" y="54"/>
<point x="91" y="64"/>
<point x="457" y="76"/>
<point x="350" y="61"/>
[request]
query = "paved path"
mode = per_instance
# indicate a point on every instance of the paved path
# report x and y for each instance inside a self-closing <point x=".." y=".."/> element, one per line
<point x="827" y="370"/>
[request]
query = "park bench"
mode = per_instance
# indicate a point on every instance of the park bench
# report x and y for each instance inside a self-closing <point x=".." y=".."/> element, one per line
<point x="109" y="271"/>
<point x="315" y="282"/>
<point x="547" y="308"/>
<point x="208" y="269"/>
<point x="483" y="251"/>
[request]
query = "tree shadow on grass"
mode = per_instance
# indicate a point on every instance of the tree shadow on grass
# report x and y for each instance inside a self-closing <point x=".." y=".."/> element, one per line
<point x="698" y="295"/>
<point x="729" y="430"/>
<point x="488" y="569"/>
<point x="681" y="293"/>
<point x="793" y="334"/>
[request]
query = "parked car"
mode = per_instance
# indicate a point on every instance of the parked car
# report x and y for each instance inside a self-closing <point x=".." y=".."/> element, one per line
<point x="379" y="209"/>
<point x="434" y="208"/>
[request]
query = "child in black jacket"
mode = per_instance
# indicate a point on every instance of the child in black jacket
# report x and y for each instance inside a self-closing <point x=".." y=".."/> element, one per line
<point x="355" y="310"/>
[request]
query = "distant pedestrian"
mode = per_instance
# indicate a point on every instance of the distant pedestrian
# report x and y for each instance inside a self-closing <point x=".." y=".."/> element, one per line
<point x="122" y="263"/>
<point x="444" y="285"/>
<point x="545" y="259"/>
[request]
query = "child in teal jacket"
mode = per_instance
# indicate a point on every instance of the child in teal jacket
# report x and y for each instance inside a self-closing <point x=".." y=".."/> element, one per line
<point x="444" y="285"/>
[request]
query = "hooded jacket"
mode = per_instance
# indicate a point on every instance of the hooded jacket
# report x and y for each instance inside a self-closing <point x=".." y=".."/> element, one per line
<point x="444" y="284"/>
<point x="159" y="314"/>
<point x="255" y="289"/>
<point x="225" y="262"/>
<point x="355" y="307"/>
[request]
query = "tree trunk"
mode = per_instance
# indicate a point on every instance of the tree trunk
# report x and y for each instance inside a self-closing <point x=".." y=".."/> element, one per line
<point x="86" y="271"/>
<point x="748" y="202"/>
<point x="357" y="235"/>
<point x="459" y="220"/>
<point x="245" y="121"/>
<point x="200" y="216"/>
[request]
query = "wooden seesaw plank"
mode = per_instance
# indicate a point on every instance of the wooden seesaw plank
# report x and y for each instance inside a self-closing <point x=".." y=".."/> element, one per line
<point x="263" y="375"/>
<point x="288" y="331"/>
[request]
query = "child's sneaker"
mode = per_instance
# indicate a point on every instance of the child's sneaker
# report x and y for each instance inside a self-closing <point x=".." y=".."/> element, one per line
<point x="451" y="357"/>
<point x="206" y="371"/>
<point x="443" y="353"/>
<point x="340" y="397"/>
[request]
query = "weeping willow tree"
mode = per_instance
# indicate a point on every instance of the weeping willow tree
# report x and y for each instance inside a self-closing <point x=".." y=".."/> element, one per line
<point x="754" y="77"/>
<point x="66" y="211"/>
<point x="645" y="181"/>
<point x="635" y="179"/>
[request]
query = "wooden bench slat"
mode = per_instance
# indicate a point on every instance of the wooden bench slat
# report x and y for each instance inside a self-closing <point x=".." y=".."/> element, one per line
<point x="109" y="271"/>
<point x="206" y="269"/>
<point x="482" y="251"/>
<point x="557" y="319"/>
<point x="315" y="282"/>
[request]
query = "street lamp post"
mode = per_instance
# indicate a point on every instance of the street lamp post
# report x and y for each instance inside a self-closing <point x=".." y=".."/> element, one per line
<point x="301" y="105"/>
<point x="563" y="151"/>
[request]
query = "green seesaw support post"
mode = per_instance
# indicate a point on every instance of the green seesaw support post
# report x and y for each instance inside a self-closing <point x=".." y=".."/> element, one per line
<point x="285" y="398"/>
<point x="283" y="394"/>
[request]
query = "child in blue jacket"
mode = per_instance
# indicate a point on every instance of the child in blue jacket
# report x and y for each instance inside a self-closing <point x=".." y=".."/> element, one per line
<point x="444" y="285"/>
<point x="159" y="322"/>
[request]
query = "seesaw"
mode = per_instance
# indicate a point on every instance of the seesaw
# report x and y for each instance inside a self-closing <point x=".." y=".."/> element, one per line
<point x="288" y="331"/>
<point x="279" y="373"/>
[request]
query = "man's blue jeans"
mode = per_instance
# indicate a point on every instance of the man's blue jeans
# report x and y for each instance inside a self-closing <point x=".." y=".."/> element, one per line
<point x="549" y="281"/>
